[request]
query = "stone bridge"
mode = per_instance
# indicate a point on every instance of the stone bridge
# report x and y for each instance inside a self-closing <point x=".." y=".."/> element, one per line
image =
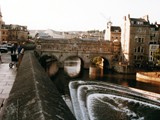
<point x="61" y="49"/>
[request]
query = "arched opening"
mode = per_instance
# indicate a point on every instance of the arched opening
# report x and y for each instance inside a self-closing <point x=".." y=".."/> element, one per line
<point x="98" y="66"/>
<point x="72" y="66"/>
<point x="50" y="64"/>
<point x="105" y="65"/>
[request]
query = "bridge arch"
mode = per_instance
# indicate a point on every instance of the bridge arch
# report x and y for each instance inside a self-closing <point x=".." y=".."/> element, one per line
<point x="105" y="62"/>
<point x="73" y="66"/>
<point x="49" y="63"/>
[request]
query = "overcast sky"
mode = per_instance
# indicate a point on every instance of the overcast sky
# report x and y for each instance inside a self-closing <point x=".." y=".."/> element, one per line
<point x="67" y="15"/>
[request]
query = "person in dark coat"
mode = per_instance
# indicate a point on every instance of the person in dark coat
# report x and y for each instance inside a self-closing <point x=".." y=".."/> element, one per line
<point x="14" y="48"/>
<point x="20" y="51"/>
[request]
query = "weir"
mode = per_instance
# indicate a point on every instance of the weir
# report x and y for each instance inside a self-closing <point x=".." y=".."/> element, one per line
<point x="104" y="101"/>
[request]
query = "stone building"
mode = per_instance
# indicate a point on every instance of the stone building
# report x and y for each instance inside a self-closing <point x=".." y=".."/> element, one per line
<point x="135" y="39"/>
<point x="1" y="22"/>
<point x="12" y="33"/>
<point x="154" y="42"/>
<point x="17" y="33"/>
<point x="112" y="32"/>
<point x="139" y="40"/>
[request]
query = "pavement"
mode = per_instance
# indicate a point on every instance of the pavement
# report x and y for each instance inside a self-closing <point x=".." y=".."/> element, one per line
<point x="7" y="78"/>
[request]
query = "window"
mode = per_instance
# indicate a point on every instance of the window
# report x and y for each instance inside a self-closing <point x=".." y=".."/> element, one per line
<point x="140" y="23"/>
<point x="134" y="22"/>
<point x="139" y="39"/>
<point x="138" y="49"/>
<point x="152" y="29"/>
<point x="142" y="50"/>
<point x="116" y="31"/>
<point x="150" y="58"/>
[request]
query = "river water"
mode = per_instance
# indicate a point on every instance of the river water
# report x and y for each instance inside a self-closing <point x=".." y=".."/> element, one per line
<point x="61" y="79"/>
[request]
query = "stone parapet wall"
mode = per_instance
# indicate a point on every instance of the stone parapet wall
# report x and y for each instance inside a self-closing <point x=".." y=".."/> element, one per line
<point x="76" y="45"/>
<point x="34" y="96"/>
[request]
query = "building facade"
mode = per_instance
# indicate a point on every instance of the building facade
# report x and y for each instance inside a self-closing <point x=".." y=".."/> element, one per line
<point x="154" y="42"/>
<point x="12" y="33"/>
<point x="17" y="33"/>
<point x="112" y="32"/>
<point x="1" y="22"/>
<point x="138" y="41"/>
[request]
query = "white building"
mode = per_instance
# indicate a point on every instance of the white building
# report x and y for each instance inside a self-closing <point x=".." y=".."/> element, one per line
<point x="152" y="49"/>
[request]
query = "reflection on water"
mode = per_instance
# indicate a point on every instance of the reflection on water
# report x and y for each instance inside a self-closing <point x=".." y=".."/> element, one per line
<point x="61" y="80"/>
<point x="72" y="66"/>
<point x="95" y="72"/>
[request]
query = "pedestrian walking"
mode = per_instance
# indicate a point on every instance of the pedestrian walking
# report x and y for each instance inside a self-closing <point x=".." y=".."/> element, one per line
<point x="20" y="53"/>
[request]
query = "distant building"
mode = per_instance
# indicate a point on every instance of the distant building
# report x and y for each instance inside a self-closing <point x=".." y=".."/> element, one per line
<point x="112" y="32"/>
<point x="12" y="33"/>
<point x="1" y="22"/>
<point x="51" y="34"/>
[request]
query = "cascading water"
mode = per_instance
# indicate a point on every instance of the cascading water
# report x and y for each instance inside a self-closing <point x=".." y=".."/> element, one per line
<point x="103" y="101"/>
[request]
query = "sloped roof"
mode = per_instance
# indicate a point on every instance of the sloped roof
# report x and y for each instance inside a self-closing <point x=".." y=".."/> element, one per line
<point x="140" y="20"/>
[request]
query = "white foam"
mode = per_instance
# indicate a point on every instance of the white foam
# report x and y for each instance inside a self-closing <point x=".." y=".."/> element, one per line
<point x="117" y="99"/>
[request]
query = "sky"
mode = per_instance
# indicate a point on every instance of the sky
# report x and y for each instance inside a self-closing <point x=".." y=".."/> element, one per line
<point x="76" y="15"/>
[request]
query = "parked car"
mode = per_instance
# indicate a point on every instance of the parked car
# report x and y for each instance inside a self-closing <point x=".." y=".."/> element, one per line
<point x="3" y="49"/>
<point x="9" y="46"/>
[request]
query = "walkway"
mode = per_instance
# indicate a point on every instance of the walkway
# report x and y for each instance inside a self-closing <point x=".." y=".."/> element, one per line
<point x="7" y="78"/>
